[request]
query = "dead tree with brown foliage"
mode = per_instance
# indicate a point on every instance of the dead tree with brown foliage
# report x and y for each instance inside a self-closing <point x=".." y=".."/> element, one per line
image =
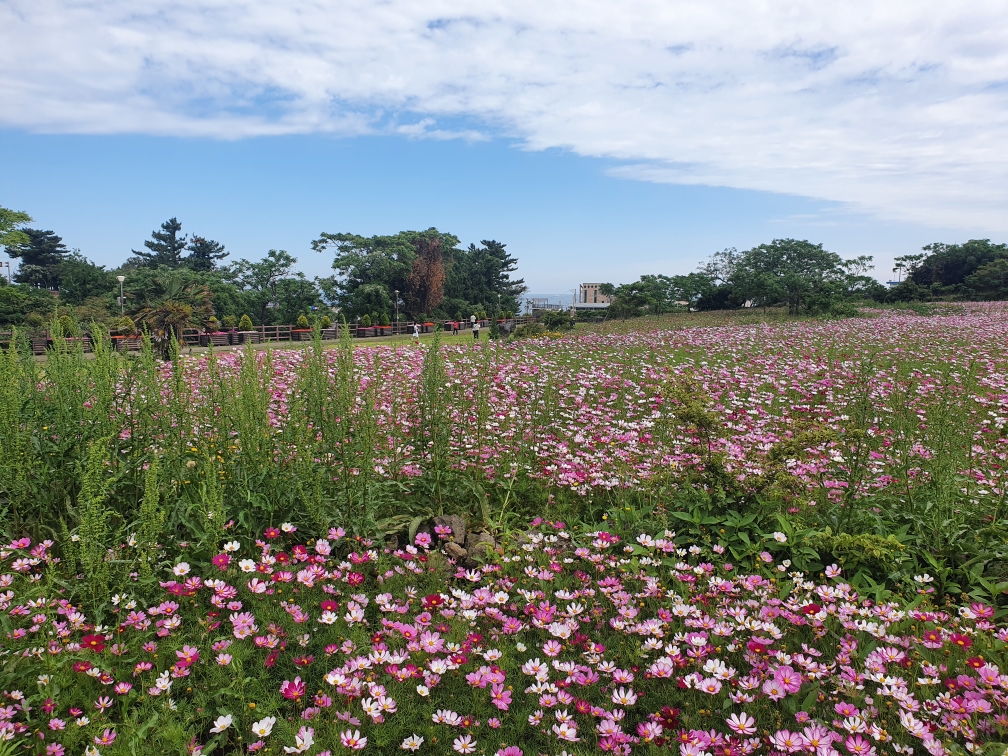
<point x="425" y="284"/>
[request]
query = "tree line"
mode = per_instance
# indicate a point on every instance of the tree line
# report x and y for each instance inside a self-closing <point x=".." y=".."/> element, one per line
<point x="181" y="281"/>
<point x="806" y="278"/>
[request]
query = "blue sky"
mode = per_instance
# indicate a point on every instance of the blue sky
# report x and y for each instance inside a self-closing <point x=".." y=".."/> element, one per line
<point x="599" y="141"/>
<point x="566" y="217"/>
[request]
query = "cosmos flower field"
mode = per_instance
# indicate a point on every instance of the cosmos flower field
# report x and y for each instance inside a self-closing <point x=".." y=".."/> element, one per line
<point x="710" y="537"/>
<point x="576" y="642"/>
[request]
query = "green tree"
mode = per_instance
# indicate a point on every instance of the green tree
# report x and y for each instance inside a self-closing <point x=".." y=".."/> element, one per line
<point x="204" y="254"/>
<point x="949" y="265"/>
<point x="379" y="264"/>
<point x="165" y="247"/>
<point x="798" y="270"/>
<point x="273" y="293"/>
<point x="41" y="257"/>
<point x="18" y="302"/>
<point x="81" y="279"/>
<point x="295" y="294"/>
<point x="11" y="232"/>
<point x="482" y="276"/>
<point x="369" y="270"/>
<point x="991" y="280"/>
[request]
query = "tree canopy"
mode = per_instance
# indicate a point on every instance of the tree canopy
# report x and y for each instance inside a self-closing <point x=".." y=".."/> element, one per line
<point x="433" y="276"/>
<point x="41" y="256"/>
<point x="11" y="227"/>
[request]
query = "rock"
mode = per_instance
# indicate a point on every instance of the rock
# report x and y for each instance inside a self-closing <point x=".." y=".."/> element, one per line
<point x="479" y="545"/>
<point x="455" y="551"/>
<point x="457" y="525"/>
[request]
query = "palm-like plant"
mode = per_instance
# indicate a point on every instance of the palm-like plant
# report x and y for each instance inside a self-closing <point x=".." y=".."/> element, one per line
<point x="171" y="307"/>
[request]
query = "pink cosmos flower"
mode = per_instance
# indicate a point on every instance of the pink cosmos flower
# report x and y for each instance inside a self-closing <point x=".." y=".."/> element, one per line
<point x="106" y="738"/>
<point x="500" y="697"/>
<point x="859" y="746"/>
<point x="293" y="690"/>
<point x="741" y="724"/>
<point x="788" y="742"/>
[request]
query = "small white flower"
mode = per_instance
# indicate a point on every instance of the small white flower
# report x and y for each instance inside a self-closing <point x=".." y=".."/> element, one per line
<point x="221" y="723"/>
<point x="422" y="690"/>
<point x="779" y="537"/>
<point x="247" y="565"/>
<point x="263" y="727"/>
<point x="412" y="743"/>
<point x="232" y="546"/>
<point x="180" y="569"/>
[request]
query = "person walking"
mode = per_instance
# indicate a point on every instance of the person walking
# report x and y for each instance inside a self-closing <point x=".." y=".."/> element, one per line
<point x="455" y="326"/>
<point x="476" y="327"/>
<point x="416" y="333"/>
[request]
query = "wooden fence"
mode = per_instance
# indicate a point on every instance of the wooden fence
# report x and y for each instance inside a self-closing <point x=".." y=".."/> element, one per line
<point x="42" y="340"/>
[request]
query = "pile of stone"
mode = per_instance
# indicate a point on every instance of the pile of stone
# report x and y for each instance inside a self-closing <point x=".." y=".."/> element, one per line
<point x="463" y="545"/>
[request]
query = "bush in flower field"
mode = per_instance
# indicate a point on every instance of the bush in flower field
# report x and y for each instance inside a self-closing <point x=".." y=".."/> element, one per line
<point x="569" y="640"/>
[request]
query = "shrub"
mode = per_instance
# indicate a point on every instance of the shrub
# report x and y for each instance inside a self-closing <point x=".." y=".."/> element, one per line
<point x="245" y="324"/>
<point x="302" y="321"/>
<point x="34" y="321"/>
<point x="230" y="321"/>
<point x="384" y="321"/>
<point x="326" y="322"/>
<point x="529" y="330"/>
<point x="69" y="326"/>
<point x="126" y="327"/>
<point x="366" y="321"/>
<point x="557" y="320"/>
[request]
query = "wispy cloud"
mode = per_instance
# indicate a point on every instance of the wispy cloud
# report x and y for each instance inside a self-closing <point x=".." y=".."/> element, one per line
<point x="898" y="108"/>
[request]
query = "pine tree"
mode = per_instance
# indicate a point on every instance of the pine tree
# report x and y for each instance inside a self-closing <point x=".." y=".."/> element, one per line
<point x="204" y="254"/>
<point x="41" y="258"/>
<point x="165" y="246"/>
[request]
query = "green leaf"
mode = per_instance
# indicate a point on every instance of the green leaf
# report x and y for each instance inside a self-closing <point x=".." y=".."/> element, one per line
<point x="811" y="698"/>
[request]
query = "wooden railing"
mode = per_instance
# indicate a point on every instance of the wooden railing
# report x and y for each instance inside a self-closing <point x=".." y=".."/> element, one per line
<point x="42" y="340"/>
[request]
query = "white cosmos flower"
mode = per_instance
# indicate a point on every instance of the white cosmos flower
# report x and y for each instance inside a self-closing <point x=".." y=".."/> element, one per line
<point x="263" y="727"/>
<point x="412" y="743"/>
<point x="221" y="723"/>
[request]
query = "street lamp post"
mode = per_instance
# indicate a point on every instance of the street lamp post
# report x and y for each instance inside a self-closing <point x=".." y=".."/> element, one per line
<point x="397" y="309"/>
<point x="122" y="306"/>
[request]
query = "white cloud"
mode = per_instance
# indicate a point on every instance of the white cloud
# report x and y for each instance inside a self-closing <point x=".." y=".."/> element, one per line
<point x="900" y="108"/>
